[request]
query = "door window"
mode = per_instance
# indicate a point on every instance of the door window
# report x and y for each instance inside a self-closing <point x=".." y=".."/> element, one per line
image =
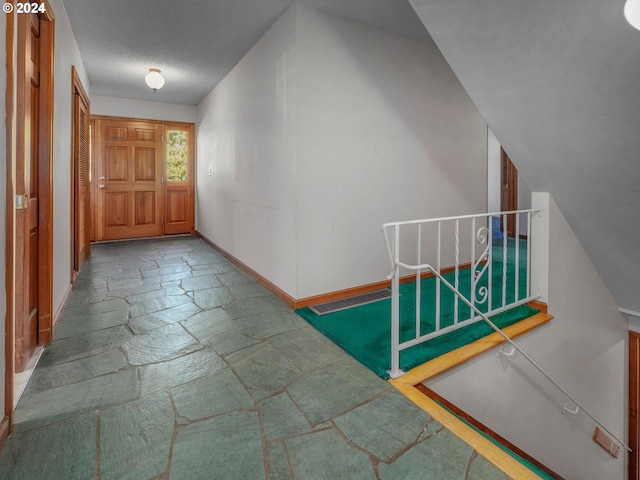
<point x="177" y="155"/>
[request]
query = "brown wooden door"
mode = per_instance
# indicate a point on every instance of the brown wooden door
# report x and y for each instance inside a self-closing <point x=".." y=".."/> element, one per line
<point x="81" y="219"/>
<point x="130" y="201"/>
<point x="27" y="221"/>
<point x="179" y="178"/>
<point x="508" y="192"/>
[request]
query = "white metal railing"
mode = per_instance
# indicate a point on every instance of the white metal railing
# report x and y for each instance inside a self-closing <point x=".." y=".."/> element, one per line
<point x="471" y="263"/>
<point x="478" y="265"/>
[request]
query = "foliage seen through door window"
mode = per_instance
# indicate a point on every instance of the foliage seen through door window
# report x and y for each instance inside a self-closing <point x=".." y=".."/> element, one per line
<point x="177" y="155"/>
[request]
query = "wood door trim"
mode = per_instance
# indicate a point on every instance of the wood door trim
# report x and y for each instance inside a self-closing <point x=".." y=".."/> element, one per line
<point x="9" y="287"/>
<point x="45" y="266"/>
<point x="76" y="86"/>
<point x="129" y="119"/>
<point x="634" y="398"/>
<point x="93" y="193"/>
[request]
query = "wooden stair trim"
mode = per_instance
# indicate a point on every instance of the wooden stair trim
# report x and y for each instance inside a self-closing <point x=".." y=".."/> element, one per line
<point x="538" y="305"/>
<point x="460" y="355"/>
<point x="490" y="451"/>
<point x="486" y="430"/>
<point x="409" y="383"/>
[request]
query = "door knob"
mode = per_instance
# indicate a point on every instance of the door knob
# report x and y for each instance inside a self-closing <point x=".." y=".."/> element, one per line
<point x="101" y="185"/>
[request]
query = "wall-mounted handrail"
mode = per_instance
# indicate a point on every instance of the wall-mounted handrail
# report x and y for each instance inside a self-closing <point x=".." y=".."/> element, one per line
<point x="579" y="406"/>
<point x="480" y="265"/>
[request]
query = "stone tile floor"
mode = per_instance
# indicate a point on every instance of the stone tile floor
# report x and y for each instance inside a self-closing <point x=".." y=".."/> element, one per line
<point x="170" y="363"/>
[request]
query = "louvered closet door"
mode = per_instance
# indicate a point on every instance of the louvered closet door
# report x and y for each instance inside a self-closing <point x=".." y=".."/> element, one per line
<point x="129" y="168"/>
<point x="81" y="183"/>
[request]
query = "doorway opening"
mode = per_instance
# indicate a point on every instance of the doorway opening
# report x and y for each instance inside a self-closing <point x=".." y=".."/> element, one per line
<point x="506" y="189"/>
<point x="80" y="168"/>
<point x="508" y="193"/>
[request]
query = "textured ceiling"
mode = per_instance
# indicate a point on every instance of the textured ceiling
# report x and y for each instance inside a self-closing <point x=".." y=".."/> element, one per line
<point x="558" y="83"/>
<point x="195" y="42"/>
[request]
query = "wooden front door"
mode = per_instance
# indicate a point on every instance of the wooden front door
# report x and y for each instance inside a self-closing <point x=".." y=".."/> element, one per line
<point x="80" y="204"/>
<point x="179" y="178"/>
<point x="508" y="192"/>
<point x="130" y="196"/>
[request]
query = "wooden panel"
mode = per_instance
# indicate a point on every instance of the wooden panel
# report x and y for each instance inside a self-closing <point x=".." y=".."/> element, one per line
<point x="116" y="209"/>
<point x="145" y="164"/>
<point x="145" y="135"/>
<point x="45" y="169"/>
<point x="145" y="208"/>
<point x="33" y="167"/>
<point x="33" y="280"/>
<point x="116" y="164"/>
<point x="176" y="206"/>
<point x="116" y="133"/>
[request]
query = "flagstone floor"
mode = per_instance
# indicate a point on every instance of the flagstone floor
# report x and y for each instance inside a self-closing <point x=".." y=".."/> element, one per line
<point x="170" y="363"/>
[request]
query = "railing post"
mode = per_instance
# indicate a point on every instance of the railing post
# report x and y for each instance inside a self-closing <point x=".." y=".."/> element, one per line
<point x="395" y="371"/>
<point x="539" y="236"/>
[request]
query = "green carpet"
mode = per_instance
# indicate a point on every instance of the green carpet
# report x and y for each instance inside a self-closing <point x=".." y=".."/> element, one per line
<point x="364" y="331"/>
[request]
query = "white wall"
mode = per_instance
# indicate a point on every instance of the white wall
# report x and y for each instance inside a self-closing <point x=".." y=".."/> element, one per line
<point x="126" y="107"/>
<point x="385" y="133"/>
<point x="245" y="135"/>
<point x="66" y="55"/>
<point x="323" y="132"/>
<point x="3" y="184"/>
<point x="524" y="194"/>
<point x="583" y="348"/>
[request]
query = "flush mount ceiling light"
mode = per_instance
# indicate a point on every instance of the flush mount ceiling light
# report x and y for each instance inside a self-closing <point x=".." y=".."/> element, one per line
<point x="154" y="79"/>
<point x="632" y="12"/>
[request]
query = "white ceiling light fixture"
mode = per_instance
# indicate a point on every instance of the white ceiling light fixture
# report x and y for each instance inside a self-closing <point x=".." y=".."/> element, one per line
<point x="632" y="12"/>
<point x="154" y="79"/>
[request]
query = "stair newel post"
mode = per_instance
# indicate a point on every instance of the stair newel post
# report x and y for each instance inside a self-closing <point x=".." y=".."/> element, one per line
<point x="395" y="371"/>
